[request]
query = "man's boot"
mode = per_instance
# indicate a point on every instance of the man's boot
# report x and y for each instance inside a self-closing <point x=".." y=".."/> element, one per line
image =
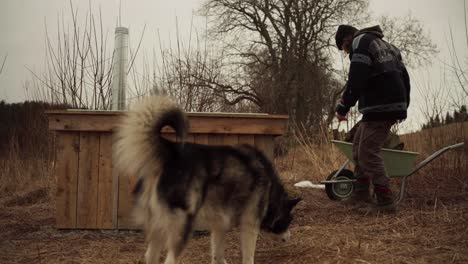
<point x="360" y="196"/>
<point x="385" y="199"/>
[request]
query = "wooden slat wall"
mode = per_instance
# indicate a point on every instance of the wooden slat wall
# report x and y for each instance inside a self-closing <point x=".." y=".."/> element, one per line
<point x="247" y="139"/>
<point x="201" y="138"/>
<point x="126" y="184"/>
<point x="215" y="139"/>
<point x="66" y="173"/>
<point x="90" y="194"/>
<point x="230" y="139"/>
<point x="105" y="195"/>
<point x="84" y="180"/>
<point x="266" y="145"/>
<point x="88" y="176"/>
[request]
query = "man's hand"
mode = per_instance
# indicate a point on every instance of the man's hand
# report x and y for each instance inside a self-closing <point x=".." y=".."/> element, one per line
<point x="341" y="117"/>
<point x="341" y="111"/>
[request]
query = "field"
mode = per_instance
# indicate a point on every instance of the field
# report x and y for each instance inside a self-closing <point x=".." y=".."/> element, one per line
<point x="431" y="226"/>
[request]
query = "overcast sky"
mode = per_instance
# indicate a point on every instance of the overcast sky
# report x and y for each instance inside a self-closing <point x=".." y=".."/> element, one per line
<point x="22" y="31"/>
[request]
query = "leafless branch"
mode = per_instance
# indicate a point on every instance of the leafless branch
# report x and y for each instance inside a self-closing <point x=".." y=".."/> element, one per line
<point x="3" y="63"/>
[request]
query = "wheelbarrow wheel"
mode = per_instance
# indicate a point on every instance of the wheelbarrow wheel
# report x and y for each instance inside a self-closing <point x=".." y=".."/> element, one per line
<point x="340" y="191"/>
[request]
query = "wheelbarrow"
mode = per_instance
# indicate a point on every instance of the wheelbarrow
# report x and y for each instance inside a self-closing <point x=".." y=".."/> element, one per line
<point x="339" y="185"/>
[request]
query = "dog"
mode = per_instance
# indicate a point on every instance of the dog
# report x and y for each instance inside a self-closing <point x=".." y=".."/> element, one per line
<point x="184" y="186"/>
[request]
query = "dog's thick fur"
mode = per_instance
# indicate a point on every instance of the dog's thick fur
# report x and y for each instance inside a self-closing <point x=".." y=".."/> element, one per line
<point x="185" y="186"/>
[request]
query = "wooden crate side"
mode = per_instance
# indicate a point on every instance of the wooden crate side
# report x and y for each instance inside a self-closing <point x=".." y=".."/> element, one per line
<point x="201" y="139"/>
<point x="238" y="125"/>
<point x="231" y="139"/>
<point x="190" y="138"/>
<point x="83" y="122"/>
<point x="247" y="139"/>
<point x="105" y="194"/>
<point x="215" y="139"/>
<point x="265" y="144"/>
<point x="115" y="197"/>
<point x="88" y="175"/>
<point x="126" y="184"/>
<point x="66" y="173"/>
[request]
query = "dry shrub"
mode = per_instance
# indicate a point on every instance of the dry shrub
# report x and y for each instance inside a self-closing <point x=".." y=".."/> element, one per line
<point x="312" y="157"/>
<point x="19" y="173"/>
<point x="26" y="147"/>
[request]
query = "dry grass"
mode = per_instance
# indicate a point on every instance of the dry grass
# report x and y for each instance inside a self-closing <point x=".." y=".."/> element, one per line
<point x="22" y="173"/>
<point x="431" y="225"/>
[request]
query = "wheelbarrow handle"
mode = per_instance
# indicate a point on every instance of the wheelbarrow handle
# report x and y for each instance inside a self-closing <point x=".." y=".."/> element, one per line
<point x="424" y="163"/>
<point x="435" y="155"/>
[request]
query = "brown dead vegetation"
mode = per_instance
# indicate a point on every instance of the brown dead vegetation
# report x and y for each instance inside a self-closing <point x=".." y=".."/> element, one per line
<point x="431" y="226"/>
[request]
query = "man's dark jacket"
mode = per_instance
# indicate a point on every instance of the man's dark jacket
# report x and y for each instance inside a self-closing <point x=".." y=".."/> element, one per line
<point x="377" y="78"/>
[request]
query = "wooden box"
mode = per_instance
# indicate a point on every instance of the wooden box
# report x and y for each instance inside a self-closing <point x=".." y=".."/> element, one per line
<point x="91" y="195"/>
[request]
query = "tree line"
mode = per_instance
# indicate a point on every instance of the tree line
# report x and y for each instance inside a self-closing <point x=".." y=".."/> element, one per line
<point x="459" y="115"/>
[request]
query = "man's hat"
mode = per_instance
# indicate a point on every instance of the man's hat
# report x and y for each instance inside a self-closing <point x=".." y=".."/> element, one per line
<point x="342" y="32"/>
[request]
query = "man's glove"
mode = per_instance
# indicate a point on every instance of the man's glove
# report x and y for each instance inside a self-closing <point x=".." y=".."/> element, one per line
<point x="341" y="109"/>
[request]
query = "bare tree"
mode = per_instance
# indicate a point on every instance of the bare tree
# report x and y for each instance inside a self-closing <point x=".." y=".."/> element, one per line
<point x="407" y="33"/>
<point x="452" y="93"/>
<point x="3" y="63"/>
<point x="281" y="61"/>
<point x="184" y="71"/>
<point x="79" y="64"/>
<point x="459" y="68"/>
<point x="435" y="98"/>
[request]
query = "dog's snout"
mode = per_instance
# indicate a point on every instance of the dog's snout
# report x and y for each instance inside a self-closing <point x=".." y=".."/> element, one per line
<point x="286" y="236"/>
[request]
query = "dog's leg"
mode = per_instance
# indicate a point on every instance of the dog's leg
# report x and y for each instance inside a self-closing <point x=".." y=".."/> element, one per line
<point x="248" y="237"/>
<point x="175" y="246"/>
<point x="178" y="235"/>
<point x="217" y="246"/>
<point x="153" y="252"/>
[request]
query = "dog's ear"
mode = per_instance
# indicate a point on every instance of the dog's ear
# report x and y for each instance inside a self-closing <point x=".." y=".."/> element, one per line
<point x="290" y="203"/>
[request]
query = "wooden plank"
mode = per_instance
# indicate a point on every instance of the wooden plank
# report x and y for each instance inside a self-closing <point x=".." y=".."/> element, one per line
<point x="115" y="196"/>
<point x="190" y="138"/>
<point x="266" y="145"/>
<point x="104" y="206"/>
<point x="201" y="139"/>
<point x="189" y="114"/>
<point x="126" y="184"/>
<point x="81" y="122"/>
<point x="215" y="139"/>
<point x="247" y="139"/>
<point x="230" y="139"/>
<point x="88" y="180"/>
<point x="66" y="173"/>
<point x="199" y="123"/>
<point x="240" y="125"/>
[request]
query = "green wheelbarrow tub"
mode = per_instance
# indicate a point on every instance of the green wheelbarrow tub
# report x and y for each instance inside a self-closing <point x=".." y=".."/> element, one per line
<point x="397" y="163"/>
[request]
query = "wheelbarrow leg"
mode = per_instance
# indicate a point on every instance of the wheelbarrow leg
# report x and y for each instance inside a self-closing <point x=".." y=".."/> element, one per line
<point x="341" y="168"/>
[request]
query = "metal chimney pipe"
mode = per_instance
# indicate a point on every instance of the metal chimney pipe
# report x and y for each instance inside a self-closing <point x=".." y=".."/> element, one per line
<point x="119" y="74"/>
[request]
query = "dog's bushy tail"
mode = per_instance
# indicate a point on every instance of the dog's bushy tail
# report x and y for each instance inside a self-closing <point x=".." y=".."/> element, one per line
<point x="139" y="146"/>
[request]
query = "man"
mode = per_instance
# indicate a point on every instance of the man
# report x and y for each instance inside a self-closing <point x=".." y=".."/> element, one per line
<point x="379" y="81"/>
